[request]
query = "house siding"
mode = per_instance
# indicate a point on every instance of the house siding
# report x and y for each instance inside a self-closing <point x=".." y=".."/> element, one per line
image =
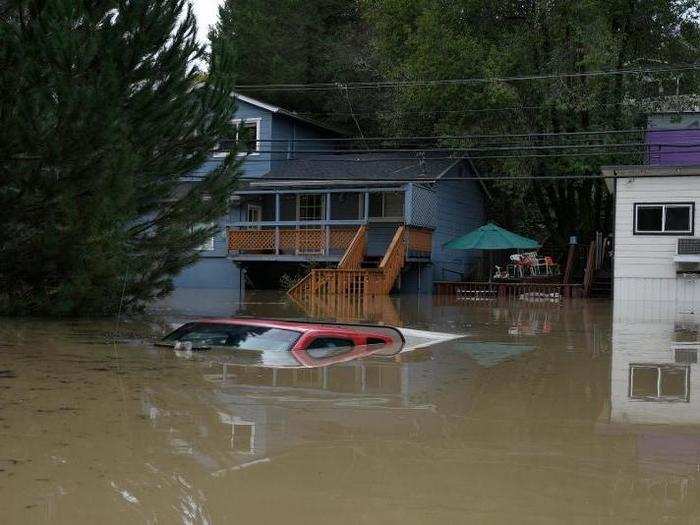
<point x="461" y="210"/>
<point x="285" y="131"/>
<point x="667" y="147"/>
<point x="452" y="208"/>
<point x="644" y="265"/>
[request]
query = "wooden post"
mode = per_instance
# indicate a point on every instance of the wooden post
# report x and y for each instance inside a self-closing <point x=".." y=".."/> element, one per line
<point x="569" y="263"/>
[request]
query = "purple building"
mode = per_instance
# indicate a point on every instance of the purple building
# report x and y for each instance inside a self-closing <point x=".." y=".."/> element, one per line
<point x="673" y="139"/>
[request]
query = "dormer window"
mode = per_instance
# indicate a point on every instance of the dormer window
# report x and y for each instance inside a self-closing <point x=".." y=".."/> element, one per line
<point x="247" y="135"/>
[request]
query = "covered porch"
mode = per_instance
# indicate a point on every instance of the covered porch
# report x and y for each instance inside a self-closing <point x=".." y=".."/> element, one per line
<point x="320" y="224"/>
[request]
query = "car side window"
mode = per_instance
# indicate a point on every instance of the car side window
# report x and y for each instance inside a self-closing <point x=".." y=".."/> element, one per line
<point x="329" y="347"/>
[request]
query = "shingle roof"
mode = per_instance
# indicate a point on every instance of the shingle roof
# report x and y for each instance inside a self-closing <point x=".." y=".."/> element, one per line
<point x="380" y="167"/>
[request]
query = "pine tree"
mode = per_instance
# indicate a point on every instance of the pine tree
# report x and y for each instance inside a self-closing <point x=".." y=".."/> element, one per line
<point x="295" y="41"/>
<point x="104" y="111"/>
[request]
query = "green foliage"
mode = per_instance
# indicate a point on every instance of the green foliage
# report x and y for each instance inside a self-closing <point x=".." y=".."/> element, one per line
<point x="295" y="41"/>
<point x="438" y="39"/>
<point x="102" y="115"/>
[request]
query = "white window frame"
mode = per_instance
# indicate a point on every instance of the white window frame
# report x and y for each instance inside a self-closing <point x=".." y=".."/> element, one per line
<point x="324" y="204"/>
<point x="664" y="206"/>
<point x="685" y="398"/>
<point x="238" y="122"/>
<point x="259" y="211"/>
<point x="209" y="244"/>
<point x="384" y="217"/>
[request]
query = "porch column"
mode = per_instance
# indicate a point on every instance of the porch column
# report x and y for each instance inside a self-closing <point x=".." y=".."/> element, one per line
<point x="366" y="217"/>
<point x="277" y="219"/>
<point x="328" y="228"/>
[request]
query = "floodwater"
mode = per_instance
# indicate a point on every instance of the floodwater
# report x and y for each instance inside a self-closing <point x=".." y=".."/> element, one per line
<point x="544" y="413"/>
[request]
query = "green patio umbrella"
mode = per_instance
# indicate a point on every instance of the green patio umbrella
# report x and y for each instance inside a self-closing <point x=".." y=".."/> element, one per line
<point x="492" y="237"/>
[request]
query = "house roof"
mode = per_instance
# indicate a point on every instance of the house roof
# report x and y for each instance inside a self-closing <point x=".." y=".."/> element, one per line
<point x="362" y="169"/>
<point x="643" y="170"/>
<point x="287" y="113"/>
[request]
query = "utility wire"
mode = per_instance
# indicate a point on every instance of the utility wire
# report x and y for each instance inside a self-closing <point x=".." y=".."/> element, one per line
<point x="615" y="175"/>
<point x="465" y="149"/>
<point x="479" y="136"/>
<point x="357" y="122"/>
<point x="324" y="86"/>
<point x="573" y="107"/>
<point x="465" y="155"/>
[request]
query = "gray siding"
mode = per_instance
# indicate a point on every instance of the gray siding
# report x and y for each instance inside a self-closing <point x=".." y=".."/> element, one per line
<point x="461" y="210"/>
<point x="379" y="237"/>
<point x="214" y="269"/>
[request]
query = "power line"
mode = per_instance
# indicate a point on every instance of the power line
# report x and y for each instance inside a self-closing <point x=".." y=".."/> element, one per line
<point x="466" y="149"/>
<point x="464" y="111"/>
<point x="325" y="86"/>
<point x="471" y="157"/>
<point x="469" y="177"/>
<point x="476" y="136"/>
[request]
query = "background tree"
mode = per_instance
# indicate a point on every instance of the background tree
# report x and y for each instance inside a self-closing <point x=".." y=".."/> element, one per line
<point x="295" y="41"/>
<point x="435" y="39"/>
<point x="102" y="114"/>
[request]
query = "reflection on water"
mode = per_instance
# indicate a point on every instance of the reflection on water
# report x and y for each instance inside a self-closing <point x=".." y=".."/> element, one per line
<point x="545" y="413"/>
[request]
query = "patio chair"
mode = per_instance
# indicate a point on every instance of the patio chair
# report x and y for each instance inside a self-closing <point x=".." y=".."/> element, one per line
<point x="551" y="266"/>
<point x="500" y="273"/>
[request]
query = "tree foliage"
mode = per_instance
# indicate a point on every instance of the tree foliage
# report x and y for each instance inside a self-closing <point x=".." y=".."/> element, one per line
<point x="287" y="41"/>
<point x="294" y="41"/>
<point x="477" y="38"/>
<point x="102" y="115"/>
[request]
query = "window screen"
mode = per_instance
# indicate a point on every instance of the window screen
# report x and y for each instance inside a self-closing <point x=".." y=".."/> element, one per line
<point x="649" y="218"/>
<point x="677" y="218"/>
<point x="388" y="205"/>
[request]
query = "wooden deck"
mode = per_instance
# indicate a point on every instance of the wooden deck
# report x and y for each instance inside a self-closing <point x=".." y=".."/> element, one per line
<point x="528" y="291"/>
<point x="351" y="279"/>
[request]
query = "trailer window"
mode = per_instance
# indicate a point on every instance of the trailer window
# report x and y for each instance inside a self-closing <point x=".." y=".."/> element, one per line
<point x="664" y="218"/>
<point x="659" y="382"/>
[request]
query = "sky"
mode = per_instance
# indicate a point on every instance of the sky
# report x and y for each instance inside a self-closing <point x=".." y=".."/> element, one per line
<point x="206" y="11"/>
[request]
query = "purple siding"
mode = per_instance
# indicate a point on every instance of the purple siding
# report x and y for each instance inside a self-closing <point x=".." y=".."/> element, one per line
<point x="677" y="147"/>
<point x="673" y="140"/>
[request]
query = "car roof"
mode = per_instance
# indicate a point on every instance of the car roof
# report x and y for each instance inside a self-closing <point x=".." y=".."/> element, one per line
<point x="298" y="326"/>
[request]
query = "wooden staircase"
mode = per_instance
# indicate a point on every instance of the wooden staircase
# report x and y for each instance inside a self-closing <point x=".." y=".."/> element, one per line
<point x="356" y="275"/>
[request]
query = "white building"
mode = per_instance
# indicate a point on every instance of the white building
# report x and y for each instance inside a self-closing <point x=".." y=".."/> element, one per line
<point x="656" y="245"/>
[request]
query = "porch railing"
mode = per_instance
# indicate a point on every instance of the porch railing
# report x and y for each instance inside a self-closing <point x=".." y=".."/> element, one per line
<point x="419" y="241"/>
<point x="290" y="241"/>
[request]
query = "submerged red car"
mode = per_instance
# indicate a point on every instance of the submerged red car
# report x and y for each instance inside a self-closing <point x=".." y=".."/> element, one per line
<point x="310" y="344"/>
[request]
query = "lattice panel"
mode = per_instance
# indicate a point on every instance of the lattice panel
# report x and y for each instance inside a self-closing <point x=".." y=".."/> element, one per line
<point x="341" y="238"/>
<point x="251" y="240"/>
<point x="303" y="241"/>
<point x="424" y="207"/>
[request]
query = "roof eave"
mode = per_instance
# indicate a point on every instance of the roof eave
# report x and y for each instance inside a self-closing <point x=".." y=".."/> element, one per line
<point x="610" y="173"/>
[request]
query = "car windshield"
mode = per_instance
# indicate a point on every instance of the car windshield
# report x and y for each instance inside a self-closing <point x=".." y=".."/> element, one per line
<point x="236" y="336"/>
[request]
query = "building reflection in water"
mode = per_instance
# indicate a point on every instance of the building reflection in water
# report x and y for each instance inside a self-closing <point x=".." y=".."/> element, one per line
<point x="262" y="411"/>
<point x="655" y="396"/>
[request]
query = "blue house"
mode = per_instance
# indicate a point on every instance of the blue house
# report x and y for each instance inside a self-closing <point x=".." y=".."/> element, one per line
<point x="303" y="205"/>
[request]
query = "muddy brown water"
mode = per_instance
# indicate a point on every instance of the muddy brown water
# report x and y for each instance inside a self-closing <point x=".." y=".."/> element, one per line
<point x="544" y="413"/>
